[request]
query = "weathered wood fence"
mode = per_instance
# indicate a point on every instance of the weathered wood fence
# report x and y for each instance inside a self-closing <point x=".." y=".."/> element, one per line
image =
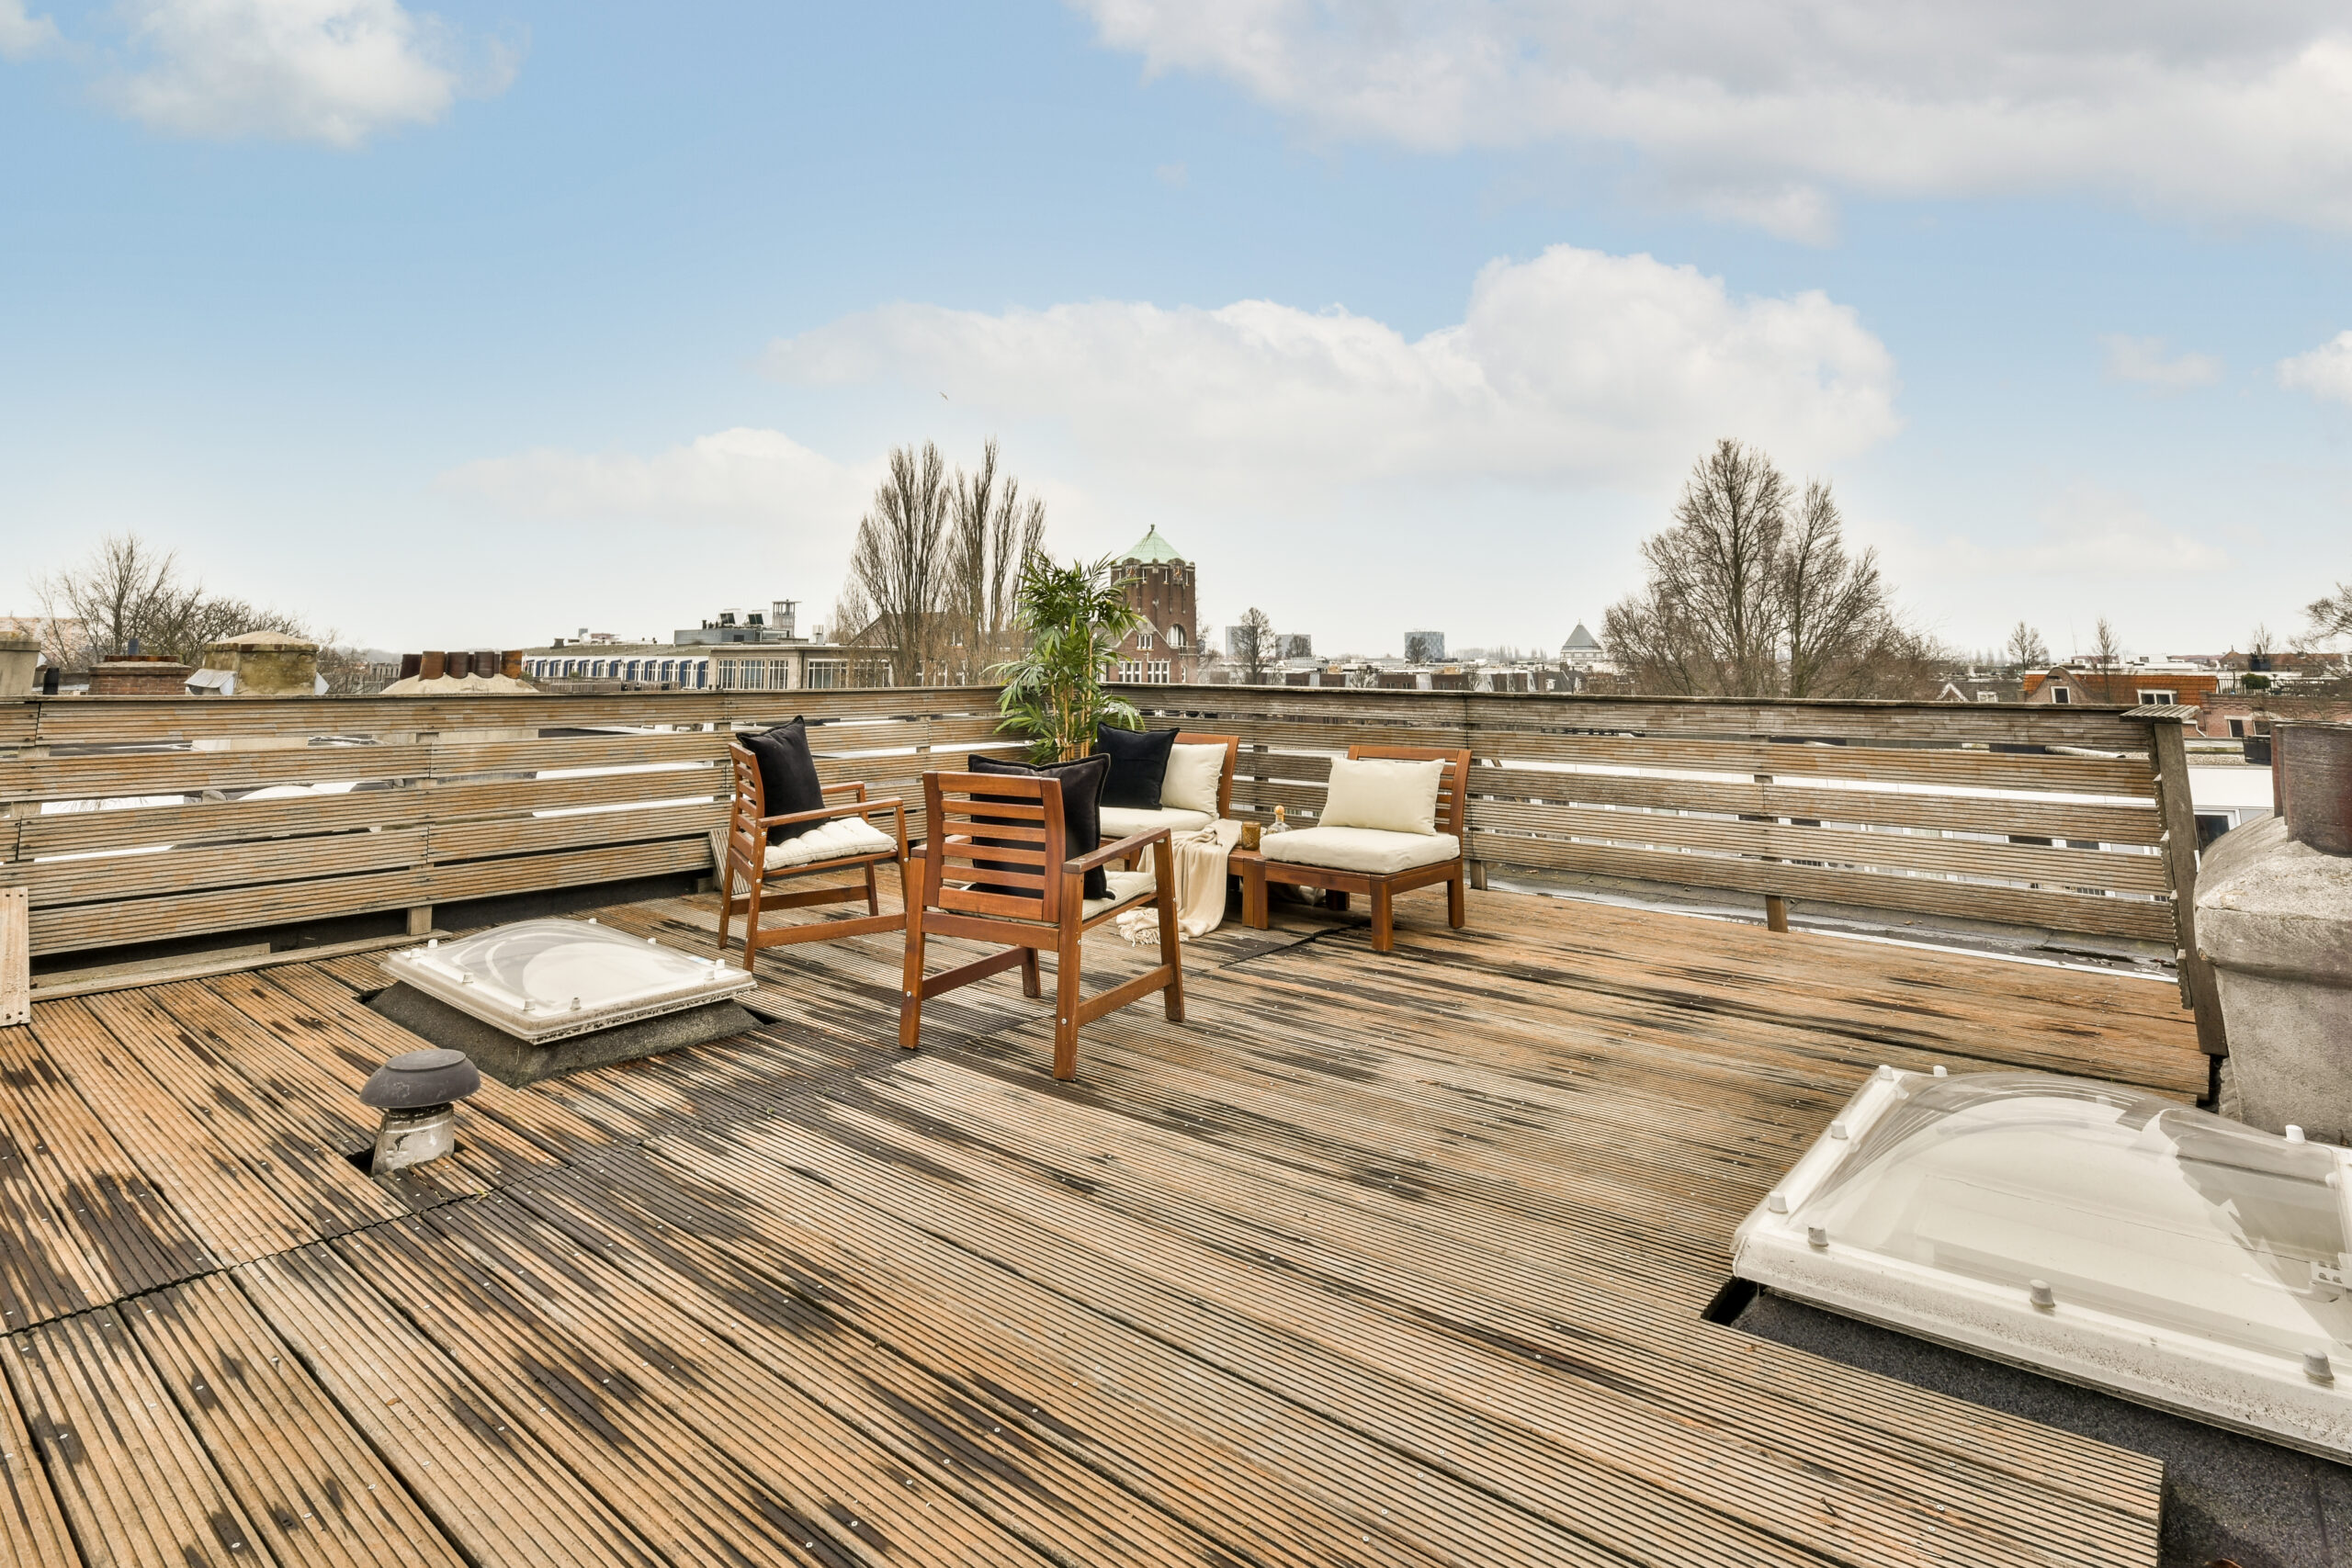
<point x="133" y="819"/>
<point x="2074" y="821"/>
<point x="136" y="820"/>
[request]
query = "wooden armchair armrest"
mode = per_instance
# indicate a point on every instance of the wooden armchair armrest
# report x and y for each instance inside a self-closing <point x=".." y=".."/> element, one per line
<point x="1120" y="851"/>
<point x="857" y="784"/>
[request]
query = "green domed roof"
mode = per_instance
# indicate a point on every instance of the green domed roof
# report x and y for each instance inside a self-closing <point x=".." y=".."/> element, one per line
<point x="1151" y="547"/>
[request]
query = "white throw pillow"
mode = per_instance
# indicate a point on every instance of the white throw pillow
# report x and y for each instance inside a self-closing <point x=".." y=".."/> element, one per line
<point x="1393" y="797"/>
<point x="1193" y="773"/>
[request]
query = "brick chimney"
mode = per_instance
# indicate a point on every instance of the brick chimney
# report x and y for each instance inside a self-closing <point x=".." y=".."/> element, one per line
<point x="265" y="664"/>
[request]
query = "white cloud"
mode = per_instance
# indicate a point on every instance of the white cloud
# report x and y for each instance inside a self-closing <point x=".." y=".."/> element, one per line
<point x="1760" y="108"/>
<point x="331" y="70"/>
<point x="2086" y="534"/>
<point x="23" y="35"/>
<point x="1575" y="366"/>
<point x="740" y="476"/>
<point x="2142" y="360"/>
<point x="2325" y="372"/>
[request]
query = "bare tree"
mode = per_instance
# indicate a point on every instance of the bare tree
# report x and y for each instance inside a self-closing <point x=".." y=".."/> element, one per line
<point x="1252" y="647"/>
<point x="2327" y="618"/>
<point x="1744" y="600"/>
<point x="2024" y="649"/>
<point x="128" y="591"/>
<point x="2107" y="646"/>
<point x="995" y="532"/>
<point x="899" y="565"/>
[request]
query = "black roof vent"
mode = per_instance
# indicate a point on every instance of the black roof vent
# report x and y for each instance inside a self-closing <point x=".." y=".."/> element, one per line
<point x="421" y="1079"/>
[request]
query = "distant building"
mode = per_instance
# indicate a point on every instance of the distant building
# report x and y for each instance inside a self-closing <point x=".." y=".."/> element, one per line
<point x="776" y="625"/>
<point x="1294" y="644"/>
<point x="1159" y="583"/>
<point x="1424" y="648"/>
<point x="1582" y="651"/>
<point x="757" y="650"/>
<point x="2139" y="684"/>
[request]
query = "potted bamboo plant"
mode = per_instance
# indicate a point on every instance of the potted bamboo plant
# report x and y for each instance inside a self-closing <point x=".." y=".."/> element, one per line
<point x="1073" y="619"/>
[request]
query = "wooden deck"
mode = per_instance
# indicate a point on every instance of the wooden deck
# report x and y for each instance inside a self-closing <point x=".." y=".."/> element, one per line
<point x="1376" y="1260"/>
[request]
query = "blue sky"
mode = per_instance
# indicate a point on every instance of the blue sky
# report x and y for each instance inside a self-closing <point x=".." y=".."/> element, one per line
<point x="474" y="325"/>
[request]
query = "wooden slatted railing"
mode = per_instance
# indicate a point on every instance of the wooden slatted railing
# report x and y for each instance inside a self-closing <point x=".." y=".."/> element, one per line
<point x="133" y="819"/>
<point x="226" y="814"/>
<point x="2062" y="819"/>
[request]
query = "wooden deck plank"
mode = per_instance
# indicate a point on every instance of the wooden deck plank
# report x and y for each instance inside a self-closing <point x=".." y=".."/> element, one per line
<point x="645" y="1396"/>
<point x="1558" y="1438"/>
<point x="33" y="1532"/>
<point x="484" y="1478"/>
<point x="115" y="1231"/>
<point x="1491" y="1357"/>
<point x="1377" y="1260"/>
<point x="315" y="1491"/>
<point x="226" y="1194"/>
<point x="136" y="1484"/>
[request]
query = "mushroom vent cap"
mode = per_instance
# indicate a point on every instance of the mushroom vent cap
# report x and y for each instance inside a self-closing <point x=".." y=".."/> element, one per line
<point x="420" y="1079"/>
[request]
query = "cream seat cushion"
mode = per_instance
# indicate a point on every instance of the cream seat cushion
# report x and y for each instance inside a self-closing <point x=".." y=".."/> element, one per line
<point x="1119" y="821"/>
<point x="836" y="840"/>
<point x="1359" y="848"/>
<point x="1190" y="784"/>
<point x="1393" y="797"/>
<point x="1125" y="885"/>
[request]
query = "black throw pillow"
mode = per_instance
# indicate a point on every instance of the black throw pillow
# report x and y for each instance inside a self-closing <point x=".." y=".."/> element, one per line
<point x="1138" y="765"/>
<point x="1081" y="809"/>
<point x="788" y="776"/>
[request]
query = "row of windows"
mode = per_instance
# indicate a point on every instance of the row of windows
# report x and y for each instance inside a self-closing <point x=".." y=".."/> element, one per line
<point x="1175" y="637"/>
<point x="1152" y="671"/>
<point x="692" y="674"/>
<point x="695" y="674"/>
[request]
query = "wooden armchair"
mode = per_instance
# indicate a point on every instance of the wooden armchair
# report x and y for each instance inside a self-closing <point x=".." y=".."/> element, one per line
<point x="1354" y="868"/>
<point x="995" y="869"/>
<point x="760" y="866"/>
<point x="1179" y="819"/>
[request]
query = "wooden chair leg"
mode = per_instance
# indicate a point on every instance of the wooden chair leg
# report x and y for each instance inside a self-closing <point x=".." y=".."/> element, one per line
<point x="752" y="920"/>
<point x="1253" y="895"/>
<point x="1066" y="969"/>
<point x="910" y="995"/>
<point x="1336" y="900"/>
<point x="1173" y="996"/>
<point x="1384" y="917"/>
<point x="1033" y="983"/>
<point x="1457" y="899"/>
<point x="725" y="907"/>
<point x="873" y="892"/>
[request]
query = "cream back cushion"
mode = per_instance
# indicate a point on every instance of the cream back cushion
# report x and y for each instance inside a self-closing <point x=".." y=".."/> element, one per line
<point x="1394" y="797"/>
<point x="1193" y="773"/>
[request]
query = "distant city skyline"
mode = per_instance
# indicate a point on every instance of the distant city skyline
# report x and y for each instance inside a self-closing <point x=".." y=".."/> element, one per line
<point x="459" y="325"/>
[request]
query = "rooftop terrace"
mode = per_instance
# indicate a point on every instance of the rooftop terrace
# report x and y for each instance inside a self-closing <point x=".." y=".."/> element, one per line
<point x="1375" y="1260"/>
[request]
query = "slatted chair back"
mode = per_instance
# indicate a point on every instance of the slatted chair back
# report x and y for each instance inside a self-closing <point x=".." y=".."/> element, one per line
<point x="996" y="846"/>
<point x="1454" y="783"/>
<point x="1232" y="744"/>
<point x="747" y="843"/>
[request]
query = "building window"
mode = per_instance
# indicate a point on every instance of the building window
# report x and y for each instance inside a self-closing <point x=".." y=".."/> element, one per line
<point x="2061" y="695"/>
<point x="1175" y="637"/>
<point x="2156" y="699"/>
<point x="726" y="674"/>
<point x="1988" y="696"/>
<point x="2237" y="730"/>
<point x="827" y="674"/>
<point x="1159" y="675"/>
<point x="1143" y="638"/>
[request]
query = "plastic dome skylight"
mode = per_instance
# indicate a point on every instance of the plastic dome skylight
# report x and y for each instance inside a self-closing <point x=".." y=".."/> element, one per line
<point x="543" y="980"/>
<point x="2093" y="1233"/>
